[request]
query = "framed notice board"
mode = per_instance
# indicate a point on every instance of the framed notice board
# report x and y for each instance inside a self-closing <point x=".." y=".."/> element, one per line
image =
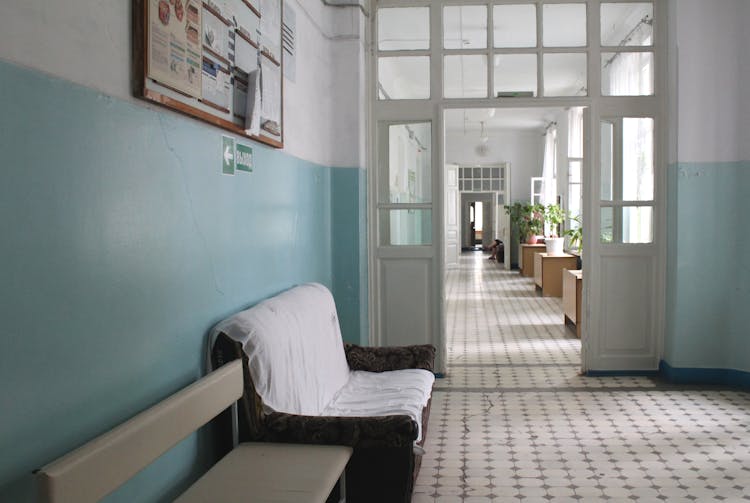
<point x="219" y="61"/>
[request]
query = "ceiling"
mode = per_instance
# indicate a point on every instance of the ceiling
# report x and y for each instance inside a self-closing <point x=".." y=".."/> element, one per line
<point x="500" y="119"/>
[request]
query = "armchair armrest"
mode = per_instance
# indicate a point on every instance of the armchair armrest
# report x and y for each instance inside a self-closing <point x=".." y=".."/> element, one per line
<point x="383" y="431"/>
<point x="381" y="359"/>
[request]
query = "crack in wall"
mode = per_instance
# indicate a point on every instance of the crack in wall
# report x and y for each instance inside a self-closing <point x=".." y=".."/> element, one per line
<point x="188" y="194"/>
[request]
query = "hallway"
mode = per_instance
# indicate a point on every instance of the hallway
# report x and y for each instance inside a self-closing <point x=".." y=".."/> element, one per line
<point x="513" y="420"/>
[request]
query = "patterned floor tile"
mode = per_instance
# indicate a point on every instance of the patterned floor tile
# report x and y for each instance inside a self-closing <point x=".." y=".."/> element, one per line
<point x="514" y="421"/>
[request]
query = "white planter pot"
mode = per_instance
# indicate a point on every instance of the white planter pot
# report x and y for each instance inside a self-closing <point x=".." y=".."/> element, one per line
<point x="554" y="246"/>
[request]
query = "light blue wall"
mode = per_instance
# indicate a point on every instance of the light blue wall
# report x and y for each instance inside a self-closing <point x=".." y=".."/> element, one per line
<point x="349" y="248"/>
<point x="708" y="270"/>
<point x="121" y="244"/>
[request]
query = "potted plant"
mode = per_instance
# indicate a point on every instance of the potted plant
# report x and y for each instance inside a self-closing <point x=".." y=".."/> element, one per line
<point x="534" y="218"/>
<point x="575" y="240"/>
<point x="515" y="211"/>
<point x="576" y="235"/>
<point x="554" y="216"/>
<point x="528" y="220"/>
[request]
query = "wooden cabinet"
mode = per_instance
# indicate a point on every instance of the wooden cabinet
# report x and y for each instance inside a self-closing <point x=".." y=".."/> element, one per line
<point x="571" y="298"/>
<point x="527" y="258"/>
<point x="548" y="272"/>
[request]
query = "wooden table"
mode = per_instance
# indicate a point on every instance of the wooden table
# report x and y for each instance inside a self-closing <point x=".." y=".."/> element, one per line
<point x="265" y="472"/>
<point x="527" y="258"/>
<point x="571" y="298"/>
<point x="548" y="272"/>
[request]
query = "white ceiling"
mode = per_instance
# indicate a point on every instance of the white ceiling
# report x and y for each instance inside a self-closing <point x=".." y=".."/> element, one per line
<point x="500" y="119"/>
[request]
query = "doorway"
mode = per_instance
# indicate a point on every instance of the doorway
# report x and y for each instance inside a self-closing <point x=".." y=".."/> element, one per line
<point x="477" y="221"/>
<point x="561" y="55"/>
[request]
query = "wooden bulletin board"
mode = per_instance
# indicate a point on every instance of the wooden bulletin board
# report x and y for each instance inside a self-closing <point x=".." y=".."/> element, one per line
<point x="219" y="61"/>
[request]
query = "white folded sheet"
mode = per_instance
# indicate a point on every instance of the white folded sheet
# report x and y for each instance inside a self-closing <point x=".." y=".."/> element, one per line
<point x="384" y="394"/>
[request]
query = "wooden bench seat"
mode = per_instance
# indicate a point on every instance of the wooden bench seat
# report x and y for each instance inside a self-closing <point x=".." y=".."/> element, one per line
<point x="250" y="472"/>
<point x="265" y="472"/>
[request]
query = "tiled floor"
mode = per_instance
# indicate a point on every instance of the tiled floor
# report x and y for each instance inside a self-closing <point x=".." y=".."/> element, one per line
<point x="513" y="420"/>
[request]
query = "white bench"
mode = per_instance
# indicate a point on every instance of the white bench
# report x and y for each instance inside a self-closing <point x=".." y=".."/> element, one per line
<point x="268" y="472"/>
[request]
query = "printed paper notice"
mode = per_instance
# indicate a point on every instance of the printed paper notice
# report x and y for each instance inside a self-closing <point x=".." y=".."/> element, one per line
<point x="174" y="44"/>
<point x="270" y="28"/>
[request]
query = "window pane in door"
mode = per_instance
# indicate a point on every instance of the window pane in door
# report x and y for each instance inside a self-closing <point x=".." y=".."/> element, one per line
<point x="465" y="27"/>
<point x="406" y="28"/>
<point x="627" y="225"/>
<point x="607" y="160"/>
<point x="515" y="25"/>
<point x="405" y="227"/>
<point x="515" y="73"/>
<point x="637" y="159"/>
<point x="627" y="73"/>
<point x="564" y="25"/>
<point x="402" y="78"/>
<point x="637" y="224"/>
<point x="606" y="234"/>
<point x="565" y="75"/>
<point x="410" y="163"/>
<point x="465" y="76"/>
<point x="627" y="24"/>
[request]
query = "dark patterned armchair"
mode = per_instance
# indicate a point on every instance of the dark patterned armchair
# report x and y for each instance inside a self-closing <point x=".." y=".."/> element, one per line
<point x="384" y="465"/>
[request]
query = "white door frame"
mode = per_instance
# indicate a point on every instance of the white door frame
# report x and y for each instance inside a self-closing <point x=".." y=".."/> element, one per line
<point x="433" y="109"/>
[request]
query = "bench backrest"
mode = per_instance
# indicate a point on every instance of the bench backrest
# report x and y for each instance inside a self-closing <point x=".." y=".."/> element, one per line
<point x="97" y="468"/>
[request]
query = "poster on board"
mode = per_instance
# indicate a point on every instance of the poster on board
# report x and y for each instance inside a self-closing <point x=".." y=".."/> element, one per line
<point x="220" y="61"/>
<point x="174" y="45"/>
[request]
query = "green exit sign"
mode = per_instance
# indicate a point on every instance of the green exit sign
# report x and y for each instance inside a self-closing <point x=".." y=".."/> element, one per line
<point x="227" y="155"/>
<point x="243" y="158"/>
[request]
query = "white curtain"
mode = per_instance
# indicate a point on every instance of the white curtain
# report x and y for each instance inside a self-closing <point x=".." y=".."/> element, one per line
<point x="549" y="171"/>
<point x="575" y="132"/>
<point x="630" y="73"/>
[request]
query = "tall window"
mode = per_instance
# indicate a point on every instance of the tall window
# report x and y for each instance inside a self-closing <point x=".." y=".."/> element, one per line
<point x="575" y="166"/>
<point x="549" y="167"/>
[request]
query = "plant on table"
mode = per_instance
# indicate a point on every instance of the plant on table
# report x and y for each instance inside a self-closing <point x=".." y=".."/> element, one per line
<point x="576" y="234"/>
<point x="553" y="216"/>
<point x="528" y="218"/>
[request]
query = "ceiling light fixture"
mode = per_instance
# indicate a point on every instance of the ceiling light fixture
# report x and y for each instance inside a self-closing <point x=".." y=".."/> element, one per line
<point x="482" y="134"/>
<point x="482" y="149"/>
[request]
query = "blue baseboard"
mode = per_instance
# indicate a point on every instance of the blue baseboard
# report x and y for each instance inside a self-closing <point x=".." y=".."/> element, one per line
<point x="619" y="373"/>
<point x="688" y="375"/>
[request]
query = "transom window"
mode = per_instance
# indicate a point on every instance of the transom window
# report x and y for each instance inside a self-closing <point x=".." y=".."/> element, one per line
<point x="522" y="48"/>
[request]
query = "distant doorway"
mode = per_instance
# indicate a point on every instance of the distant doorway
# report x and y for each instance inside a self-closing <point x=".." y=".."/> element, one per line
<point x="477" y="220"/>
<point x="475" y="210"/>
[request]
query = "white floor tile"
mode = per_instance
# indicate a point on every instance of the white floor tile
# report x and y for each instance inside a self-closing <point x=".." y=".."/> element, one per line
<point x="514" y="421"/>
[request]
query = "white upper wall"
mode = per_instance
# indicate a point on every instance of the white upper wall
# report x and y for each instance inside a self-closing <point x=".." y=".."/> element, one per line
<point x="744" y="88"/>
<point x="322" y="112"/>
<point x="81" y="41"/>
<point x="89" y="43"/>
<point x="521" y="149"/>
<point x="711" y="80"/>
